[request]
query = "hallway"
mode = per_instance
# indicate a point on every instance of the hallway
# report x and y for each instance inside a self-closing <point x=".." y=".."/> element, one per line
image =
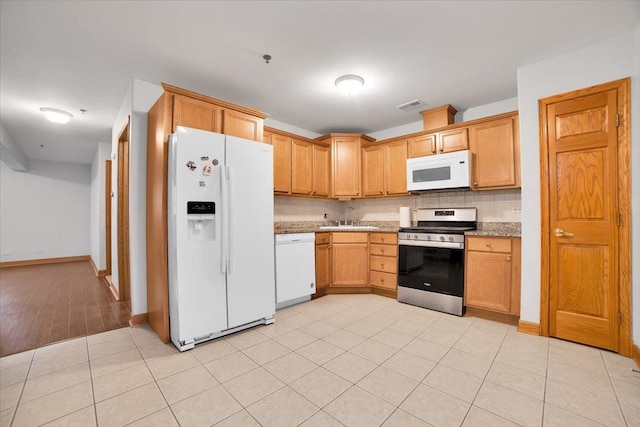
<point x="42" y="304"/>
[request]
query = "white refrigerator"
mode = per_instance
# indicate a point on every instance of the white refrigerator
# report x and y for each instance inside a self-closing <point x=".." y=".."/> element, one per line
<point x="220" y="228"/>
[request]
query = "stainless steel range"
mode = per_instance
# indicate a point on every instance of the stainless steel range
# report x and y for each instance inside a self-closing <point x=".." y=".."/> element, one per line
<point x="431" y="259"/>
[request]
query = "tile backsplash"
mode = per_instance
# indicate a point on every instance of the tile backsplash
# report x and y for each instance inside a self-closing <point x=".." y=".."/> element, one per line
<point x="492" y="205"/>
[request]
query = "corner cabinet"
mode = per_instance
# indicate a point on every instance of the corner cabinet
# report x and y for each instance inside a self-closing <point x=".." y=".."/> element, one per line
<point x="495" y="147"/>
<point x="384" y="169"/>
<point x="179" y="107"/>
<point x="345" y="163"/>
<point x="492" y="276"/>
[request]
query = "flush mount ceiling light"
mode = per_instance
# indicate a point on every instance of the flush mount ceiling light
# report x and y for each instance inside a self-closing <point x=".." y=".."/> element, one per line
<point x="349" y="84"/>
<point x="56" y="116"/>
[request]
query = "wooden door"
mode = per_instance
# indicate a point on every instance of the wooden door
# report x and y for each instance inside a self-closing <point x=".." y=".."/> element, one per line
<point x="422" y="146"/>
<point x="281" y="163"/>
<point x="242" y="125"/>
<point x="107" y="218"/>
<point x="373" y="171"/>
<point x="301" y="167"/>
<point x="196" y="114"/>
<point x="395" y="170"/>
<point x="321" y="170"/>
<point x="582" y="216"/>
<point x="453" y="140"/>
<point x="123" y="214"/>
<point x="496" y="154"/>
<point x="345" y="152"/>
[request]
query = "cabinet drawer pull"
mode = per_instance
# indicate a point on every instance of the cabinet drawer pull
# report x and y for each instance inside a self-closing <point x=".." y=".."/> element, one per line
<point x="488" y="245"/>
<point x="382" y="250"/>
<point x="382" y="264"/>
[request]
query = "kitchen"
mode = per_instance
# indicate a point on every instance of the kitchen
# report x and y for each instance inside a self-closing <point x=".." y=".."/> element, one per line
<point x="531" y="88"/>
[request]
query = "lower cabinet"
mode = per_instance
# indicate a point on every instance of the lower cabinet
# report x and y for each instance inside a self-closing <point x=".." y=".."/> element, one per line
<point x="323" y="261"/>
<point x="383" y="260"/>
<point x="349" y="259"/>
<point x="492" y="277"/>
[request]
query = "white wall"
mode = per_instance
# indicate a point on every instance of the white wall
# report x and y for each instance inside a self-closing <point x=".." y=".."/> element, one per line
<point x="137" y="101"/>
<point x="97" y="218"/>
<point x="600" y="63"/>
<point x="44" y="212"/>
<point x="10" y="153"/>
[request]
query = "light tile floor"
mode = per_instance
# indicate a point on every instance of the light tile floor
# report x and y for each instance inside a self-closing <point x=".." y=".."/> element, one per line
<point x="354" y="360"/>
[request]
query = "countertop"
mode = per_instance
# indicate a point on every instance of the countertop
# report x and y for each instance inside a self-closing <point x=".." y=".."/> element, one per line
<point x="495" y="229"/>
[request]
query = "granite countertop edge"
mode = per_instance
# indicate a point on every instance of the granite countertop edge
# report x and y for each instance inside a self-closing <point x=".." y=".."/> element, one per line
<point x="491" y="229"/>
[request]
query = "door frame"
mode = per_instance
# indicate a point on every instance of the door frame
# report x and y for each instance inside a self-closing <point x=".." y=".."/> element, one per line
<point x="123" y="213"/>
<point x="623" y="87"/>
<point x="107" y="219"/>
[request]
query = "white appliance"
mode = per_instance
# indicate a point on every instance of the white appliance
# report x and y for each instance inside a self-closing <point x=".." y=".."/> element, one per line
<point x="295" y="268"/>
<point x="439" y="172"/>
<point x="220" y="228"/>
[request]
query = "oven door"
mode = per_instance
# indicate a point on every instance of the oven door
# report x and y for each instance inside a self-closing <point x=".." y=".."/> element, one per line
<point x="434" y="269"/>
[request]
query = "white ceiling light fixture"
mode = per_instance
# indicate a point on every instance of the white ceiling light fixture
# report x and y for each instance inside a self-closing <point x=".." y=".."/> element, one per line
<point x="56" y="116"/>
<point x="349" y="84"/>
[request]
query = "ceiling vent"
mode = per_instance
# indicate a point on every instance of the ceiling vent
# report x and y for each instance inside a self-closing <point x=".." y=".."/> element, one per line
<point x="410" y="105"/>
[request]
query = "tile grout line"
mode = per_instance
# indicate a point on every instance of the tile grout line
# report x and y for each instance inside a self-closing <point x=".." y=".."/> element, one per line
<point x="615" y="392"/>
<point x="24" y="384"/>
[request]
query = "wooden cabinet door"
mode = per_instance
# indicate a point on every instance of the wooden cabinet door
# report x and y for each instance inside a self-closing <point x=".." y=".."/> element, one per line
<point x="196" y="114"/>
<point x="301" y="165"/>
<point x="488" y="281"/>
<point x="453" y="140"/>
<point x="349" y="264"/>
<point x="496" y="162"/>
<point x="323" y="266"/>
<point x="395" y="167"/>
<point x="321" y="170"/>
<point x="266" y="137"/>
<point x="242" y="125"/>
<point x="373" y="171"/>
<point x="424" y="145"/>
<point x="345" y="153"/>
<point x="281" y="163"/>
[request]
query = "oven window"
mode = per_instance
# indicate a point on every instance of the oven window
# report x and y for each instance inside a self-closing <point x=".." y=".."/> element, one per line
<point x="431" y="269"/>
<point x="442" y="173"/>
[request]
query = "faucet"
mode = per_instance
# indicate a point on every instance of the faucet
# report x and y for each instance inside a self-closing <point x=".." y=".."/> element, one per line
<point x="346" y="215"/>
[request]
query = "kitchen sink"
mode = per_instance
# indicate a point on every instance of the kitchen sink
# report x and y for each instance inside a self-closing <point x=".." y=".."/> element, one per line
<point x="348" y="227"/>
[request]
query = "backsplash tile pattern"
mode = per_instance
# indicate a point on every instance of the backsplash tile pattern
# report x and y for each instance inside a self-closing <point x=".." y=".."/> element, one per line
<point x="492" y="205"/>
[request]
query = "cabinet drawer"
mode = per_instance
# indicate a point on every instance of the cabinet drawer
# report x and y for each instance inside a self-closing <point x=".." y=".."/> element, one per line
<point x="384" y="238"/>
<point x="323" y="238"/>
<point x="349" y="237"/>
<point x="383" y="263"/>
<point x="384" y="250"/>
<point x="383" y="280"/>
<point x="489" y="244"/>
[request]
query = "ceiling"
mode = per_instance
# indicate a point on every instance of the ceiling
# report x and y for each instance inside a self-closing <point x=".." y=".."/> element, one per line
<point x="77" y="55"/>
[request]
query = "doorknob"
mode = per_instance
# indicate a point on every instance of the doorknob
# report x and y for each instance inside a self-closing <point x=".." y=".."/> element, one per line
<point x="559" y="232"/>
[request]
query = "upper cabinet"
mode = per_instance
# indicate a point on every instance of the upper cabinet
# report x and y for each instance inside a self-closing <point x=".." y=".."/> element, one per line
<point x="373" y="171"/>
<point x="193" y="113"/>
<point x="242" y="125"/>
<point x="495" y="147"/>
<point x="439" y="143"/>
<point x="300" y="166"/>
<point x="345" y="163"/>
<point x="384" y="169"/>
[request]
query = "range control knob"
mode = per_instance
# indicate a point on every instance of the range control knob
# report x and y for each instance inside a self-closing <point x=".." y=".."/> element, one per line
<point x="451" y="238"/>
<point x="429" y="237"/>
<point x="442" y="238"/>
<point x="415" y="236"/>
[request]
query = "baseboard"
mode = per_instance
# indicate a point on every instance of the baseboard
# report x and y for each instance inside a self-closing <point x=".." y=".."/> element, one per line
<point x="389" y="293"/>
<point x="492" y="315"/>
<point x="528" y="327"/>
<point x="44" y="261"/>
<point x="112" y="288"/>
<point x="348" y="290"/>
<point x="138" y="319"/>
<point x="636" y="355"/>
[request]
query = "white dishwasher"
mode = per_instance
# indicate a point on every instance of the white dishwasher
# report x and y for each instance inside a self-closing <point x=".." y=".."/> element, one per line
<point x="295" y="268"/>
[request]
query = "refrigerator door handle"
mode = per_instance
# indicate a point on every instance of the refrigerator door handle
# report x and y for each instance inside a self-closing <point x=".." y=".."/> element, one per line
<point x="229" y="220"/>
<point x="223" y="226"/>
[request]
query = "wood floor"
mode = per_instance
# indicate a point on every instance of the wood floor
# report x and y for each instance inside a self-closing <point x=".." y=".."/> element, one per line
<point x="42" y="304"/>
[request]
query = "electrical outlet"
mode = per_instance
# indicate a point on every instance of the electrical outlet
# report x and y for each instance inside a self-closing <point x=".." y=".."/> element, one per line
<point x="6" y="253"/>
<point x="289" y="210"/>
<point x="516" y="210"/>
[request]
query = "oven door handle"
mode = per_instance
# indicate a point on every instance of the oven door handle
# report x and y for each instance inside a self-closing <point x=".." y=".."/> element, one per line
<point x="431" y="244"/>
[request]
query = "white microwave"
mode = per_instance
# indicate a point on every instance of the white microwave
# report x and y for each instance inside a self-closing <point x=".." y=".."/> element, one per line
<point x="439" y="172"/>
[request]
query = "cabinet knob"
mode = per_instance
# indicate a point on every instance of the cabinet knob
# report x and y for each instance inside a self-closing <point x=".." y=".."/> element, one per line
<point x="323" y="239"/>
<point x="382" y="279"/>
<point x="488" y="245"/>
<point x="314" y="191"/>
<point x="382" y="250"/>
<point x="382" y="238"/>
<point x="508" y="259"/>
<point x="475" y="183"/>
<point x="381" y="192"/>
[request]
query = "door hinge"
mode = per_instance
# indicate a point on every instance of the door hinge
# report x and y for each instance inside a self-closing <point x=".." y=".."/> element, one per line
<point x="617" y="120"/>
<point x="619" y="318"/>
<point x="619" y="219"/>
